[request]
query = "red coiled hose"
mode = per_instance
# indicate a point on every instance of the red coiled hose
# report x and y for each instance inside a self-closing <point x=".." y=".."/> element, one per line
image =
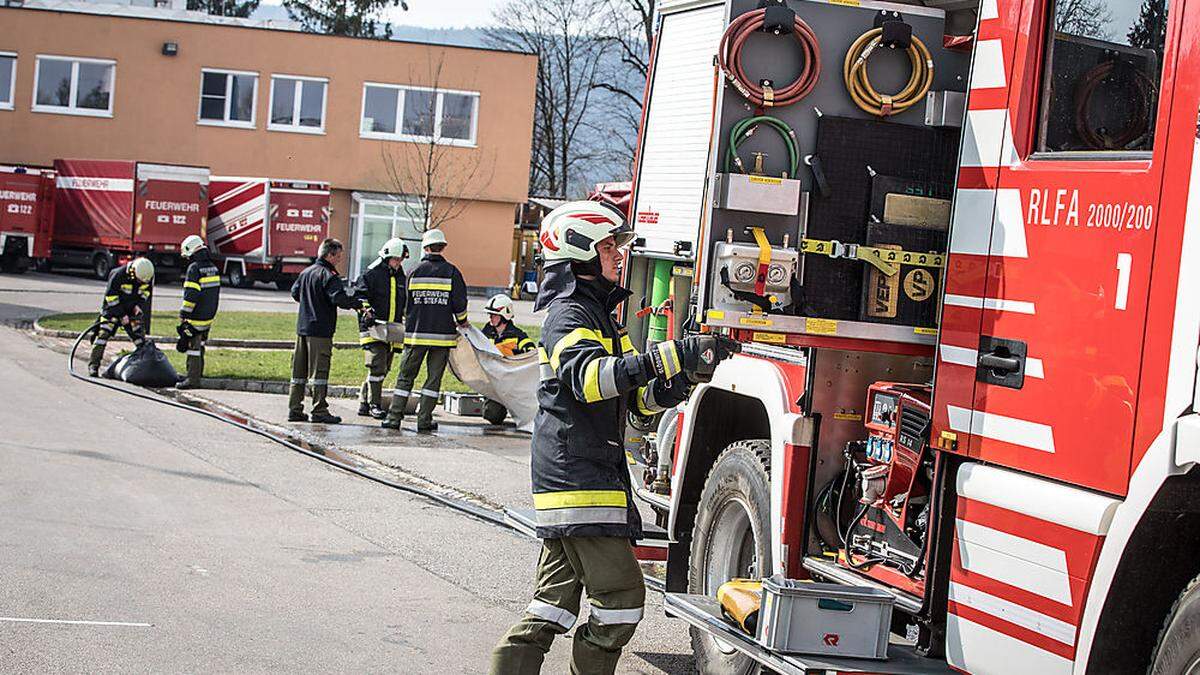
<point x="729" y="56"/>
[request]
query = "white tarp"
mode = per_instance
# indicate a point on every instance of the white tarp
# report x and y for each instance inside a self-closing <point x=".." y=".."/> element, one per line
<point x="511" y="380"/>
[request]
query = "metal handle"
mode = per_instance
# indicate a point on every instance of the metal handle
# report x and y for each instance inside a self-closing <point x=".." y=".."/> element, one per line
<point x="1004" y="364"/>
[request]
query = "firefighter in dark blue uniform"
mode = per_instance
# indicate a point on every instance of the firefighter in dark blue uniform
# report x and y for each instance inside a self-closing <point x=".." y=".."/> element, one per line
<point x="201" y="295"/>
<point x="382" y="291"/>
<point x="591" y="375"/>
<point x="126" y="303"/>
<point x="436" y="306"/>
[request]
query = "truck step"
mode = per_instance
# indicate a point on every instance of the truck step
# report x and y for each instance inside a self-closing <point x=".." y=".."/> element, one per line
<point x="827" y="569"/>
<point x="704" y="613"/>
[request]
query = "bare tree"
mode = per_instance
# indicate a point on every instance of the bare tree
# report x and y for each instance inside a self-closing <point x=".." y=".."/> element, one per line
<point x="629" y="32"/>
<point x="1089" y="18"/>
<point x="566" y="37"/>
<point x="438" y="177"/>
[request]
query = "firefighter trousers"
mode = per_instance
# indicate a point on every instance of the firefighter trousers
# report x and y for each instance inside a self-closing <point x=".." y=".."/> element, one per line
<point x="108" y="328"/>
<point x="435" y="359"/>
<point x="379" y="357"/>
<point x="310" y="366"/>
<point x="195" y="355"/>
<point x="607" y="569"/>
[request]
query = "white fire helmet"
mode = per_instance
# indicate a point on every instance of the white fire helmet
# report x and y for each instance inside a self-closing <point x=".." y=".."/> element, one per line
<point x="190" y="245"/>
<point x="571" y="231"/>
<point x="143" y="269"/>
<point x="394" y="248"/>
<point x="500" y="304"/>
<point x="432" y="237"/>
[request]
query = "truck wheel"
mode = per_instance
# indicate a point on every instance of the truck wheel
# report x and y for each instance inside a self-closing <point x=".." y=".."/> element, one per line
<point x="1178" y="650"/>
<point x="101" y="265"/>
<point x="731" y="539"/>
<point x="238" y="278"/>
<point x="284" y="283"/>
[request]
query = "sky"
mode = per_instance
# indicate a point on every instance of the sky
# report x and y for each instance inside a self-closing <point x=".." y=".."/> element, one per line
<point x="439" y="13"/>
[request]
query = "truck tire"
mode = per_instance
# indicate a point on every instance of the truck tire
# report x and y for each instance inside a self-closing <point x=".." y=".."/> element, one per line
<point x="284" y="283"/>
<point x="238" y="278"/>
<point x="1178" y="650"/>
<point x="102" y="264"/>
<point x="731" y="539"/>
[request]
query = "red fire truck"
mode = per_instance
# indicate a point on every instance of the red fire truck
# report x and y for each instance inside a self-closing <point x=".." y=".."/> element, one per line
<point x="266" y="230"/>
<point x="970" y="323"/>
<point x="108" y="211"/>
<point x="26" y="216"/>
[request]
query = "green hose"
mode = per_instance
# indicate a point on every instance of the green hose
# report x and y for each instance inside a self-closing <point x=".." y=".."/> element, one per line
<point x="660" y="290"/>
<point x="743" y="130"/>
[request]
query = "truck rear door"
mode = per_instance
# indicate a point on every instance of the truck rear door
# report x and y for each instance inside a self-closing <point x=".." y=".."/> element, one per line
<point x="298" y="219"/>
<point x="237" y="213"/>
<point x="1053" y="234"/>
<point x="93" y="202"/>
<point x="171" y="202"/>
<point x="19" y="204"/>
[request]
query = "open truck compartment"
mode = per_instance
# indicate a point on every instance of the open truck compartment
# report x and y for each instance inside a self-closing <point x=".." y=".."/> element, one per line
<point x="264" y="229"/>
<point x="808" y="215"/>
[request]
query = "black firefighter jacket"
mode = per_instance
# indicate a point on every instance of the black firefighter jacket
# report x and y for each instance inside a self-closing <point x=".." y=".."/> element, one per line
<point x="123" y="293"/>
<point x="201" y="290"/>
<point x="437" y="303"/>
<point x="382" y="290"/>
<point x="510" y="341"/>
<point x="590" y="374"/>
<point x="320" y="291"/>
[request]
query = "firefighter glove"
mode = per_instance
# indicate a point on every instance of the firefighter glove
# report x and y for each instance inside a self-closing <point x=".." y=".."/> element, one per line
<point x="696" y="356"/>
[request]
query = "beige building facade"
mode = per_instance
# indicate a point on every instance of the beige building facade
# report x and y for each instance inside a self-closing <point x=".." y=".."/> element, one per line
<point x="377" y="120"/>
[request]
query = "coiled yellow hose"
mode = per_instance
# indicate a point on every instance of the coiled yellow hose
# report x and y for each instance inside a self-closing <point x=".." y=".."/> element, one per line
<point x="858" y="83"/>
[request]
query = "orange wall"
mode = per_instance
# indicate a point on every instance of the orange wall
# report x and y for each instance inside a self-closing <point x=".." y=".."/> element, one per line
<point x="156" y="99"/>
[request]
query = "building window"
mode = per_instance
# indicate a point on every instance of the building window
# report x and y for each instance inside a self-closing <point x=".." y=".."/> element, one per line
<point x="1103" y="70"/>
<point x="418" y="114"/>
<point x="227" y="98"/>
<point x="297" y="104"/>
<point x="8" y="77"/>
<point x="377" y="217"/>
<point x="74" y="86"/>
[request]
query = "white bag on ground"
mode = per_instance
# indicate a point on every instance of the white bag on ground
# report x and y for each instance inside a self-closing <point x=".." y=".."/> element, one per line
<point x="511" y="380"/>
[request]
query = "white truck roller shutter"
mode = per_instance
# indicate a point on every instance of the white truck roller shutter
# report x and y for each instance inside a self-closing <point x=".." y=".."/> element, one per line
<point x="674" y="148"/>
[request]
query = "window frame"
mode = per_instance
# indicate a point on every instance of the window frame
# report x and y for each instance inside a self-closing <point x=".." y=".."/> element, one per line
<point x="398" y="135"/>
<point x="1041" y="105"/>
<point x="73" y="108"/>
<point x="298" y="90"/>
<point x="12" y="82"/>
<point x="226" y="122"/>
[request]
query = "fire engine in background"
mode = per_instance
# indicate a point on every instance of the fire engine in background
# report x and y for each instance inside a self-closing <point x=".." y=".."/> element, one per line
<point x="109" y="211"/>
<point x="266" y="230"/>
<point x="970" y="318"/>
<point x="26" y="216"/>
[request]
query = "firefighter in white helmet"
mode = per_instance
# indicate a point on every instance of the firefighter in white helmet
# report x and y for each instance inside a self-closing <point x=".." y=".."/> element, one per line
<point x="591" y="375"/>
<point x="382" y="291"/>
<point x="509" y="339"/>
<point x="201" y="295"/>
<point x="436" y="305"/>
<point x="126" y="303"/>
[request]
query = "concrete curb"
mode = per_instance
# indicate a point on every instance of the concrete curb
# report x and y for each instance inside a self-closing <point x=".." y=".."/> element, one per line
<point x="281" y="387"/>
<point x="165" y="340"/>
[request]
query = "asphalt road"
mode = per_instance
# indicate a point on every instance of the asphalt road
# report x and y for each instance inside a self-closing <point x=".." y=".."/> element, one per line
<point x="138" y="537"/>
<point x="25" y="297"/>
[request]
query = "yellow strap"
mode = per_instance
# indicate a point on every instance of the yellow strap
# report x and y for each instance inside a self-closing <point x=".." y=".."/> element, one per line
<point x="886" y="260"/>
<point x="575" y="498"/>
<point x="574" y="337"/>
<point x="764" y="246"/>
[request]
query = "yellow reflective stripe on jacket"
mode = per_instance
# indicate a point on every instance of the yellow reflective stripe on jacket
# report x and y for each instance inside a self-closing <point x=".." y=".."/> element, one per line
<point x="110" y="298"/>
<point x="191" y="284"/>
<point x="201" y="323"/>
<point x="641" y="402"/>
<point x="429" y="286"/>
<point x="575" y="337"/>
<point x="460" y="317"/>
<point x="542" y="356"/>
<point x="591" y="382"/>
<point x="188" y="304"/>
<point x="210" y="280"/>
<point x="627" y="345"/>
<point x="391" y="299"/>
<point x="670" y="358"/>
<point x="525" y="343"/>
<point x="430" y="342"/>
<point x="574" y="498"/>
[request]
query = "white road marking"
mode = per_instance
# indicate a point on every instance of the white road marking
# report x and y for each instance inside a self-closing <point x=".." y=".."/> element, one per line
<point x="74" y="622"/>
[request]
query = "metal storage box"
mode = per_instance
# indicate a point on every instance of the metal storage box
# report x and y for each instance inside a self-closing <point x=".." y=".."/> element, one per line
<point x="465" y="405"/>
<point x="800" y="617"/>
<point x="760" y="194"/>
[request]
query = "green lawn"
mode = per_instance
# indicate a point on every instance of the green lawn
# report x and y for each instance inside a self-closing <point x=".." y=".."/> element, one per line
<point x="276" y="365"/>
<point x="233" y="325"/>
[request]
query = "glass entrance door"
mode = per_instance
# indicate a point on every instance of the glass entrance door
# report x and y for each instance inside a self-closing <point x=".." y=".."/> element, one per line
<point x="379" y="217"/>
